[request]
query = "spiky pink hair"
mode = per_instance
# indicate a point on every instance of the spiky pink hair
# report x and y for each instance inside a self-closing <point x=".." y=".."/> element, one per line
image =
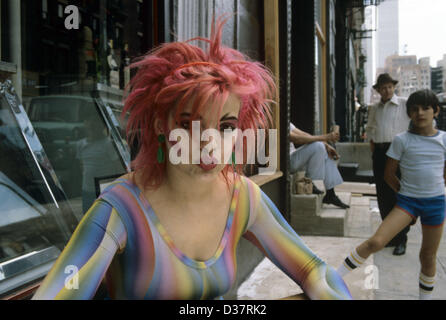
<point x="174" y="73"/>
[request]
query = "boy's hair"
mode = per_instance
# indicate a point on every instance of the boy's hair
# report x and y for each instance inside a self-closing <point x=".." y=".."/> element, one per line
<point x="173" y="74"/>
<point x="424" y="98"/>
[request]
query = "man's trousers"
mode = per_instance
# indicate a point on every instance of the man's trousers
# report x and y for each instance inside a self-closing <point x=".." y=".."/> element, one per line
<point x="386" y="196"/>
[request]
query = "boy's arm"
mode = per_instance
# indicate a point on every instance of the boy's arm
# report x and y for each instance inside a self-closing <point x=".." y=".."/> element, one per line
<point x="390" y="174"/>
<point x="444" y="172"/>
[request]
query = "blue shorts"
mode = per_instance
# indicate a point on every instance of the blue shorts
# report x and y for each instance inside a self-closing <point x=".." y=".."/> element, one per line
<point x="430" y="210"/>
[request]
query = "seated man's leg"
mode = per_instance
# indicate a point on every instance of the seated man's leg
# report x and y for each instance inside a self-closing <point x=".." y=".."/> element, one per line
<point x="332" y="175"/>
<point x="311" y="158"/>
<point x="332" y="179"/>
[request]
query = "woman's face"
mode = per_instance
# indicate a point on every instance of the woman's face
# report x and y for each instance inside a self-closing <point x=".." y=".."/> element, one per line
<point x="209" y="150"/>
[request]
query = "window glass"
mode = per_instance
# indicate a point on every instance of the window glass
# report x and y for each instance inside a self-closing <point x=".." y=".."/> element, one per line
<point x="320" y="63"/>
<point x="34" y="227"/>
<point x="71" y="82"/>
<point x="318" y="87"/>
<point x="79" y="143"/>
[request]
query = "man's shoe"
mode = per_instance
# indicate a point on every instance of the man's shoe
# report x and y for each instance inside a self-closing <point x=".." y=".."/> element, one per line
<point x="336" y="201"/>
<point x="316" y="190"/>
<point x="399" y="249"/>
<point x="392" y="243"/>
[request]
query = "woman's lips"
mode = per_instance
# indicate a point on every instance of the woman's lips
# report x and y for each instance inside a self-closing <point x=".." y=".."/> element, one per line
<point x="212" y="163"/>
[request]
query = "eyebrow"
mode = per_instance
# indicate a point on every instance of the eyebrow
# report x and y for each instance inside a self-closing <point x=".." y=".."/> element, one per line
<point x="226" y="117"/>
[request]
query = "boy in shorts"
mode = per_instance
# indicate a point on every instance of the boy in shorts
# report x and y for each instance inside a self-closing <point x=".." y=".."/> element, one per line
<point x="420" y="153"/>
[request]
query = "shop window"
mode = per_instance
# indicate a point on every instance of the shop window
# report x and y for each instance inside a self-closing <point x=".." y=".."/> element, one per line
<point x="320" y="58"/>
<point x="71" y="84"/>
<point x="44" y="9"/>
<point x="35" y="223"/>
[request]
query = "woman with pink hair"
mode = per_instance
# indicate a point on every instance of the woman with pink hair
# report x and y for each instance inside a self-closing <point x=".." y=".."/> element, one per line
<point x="169" y="230"/>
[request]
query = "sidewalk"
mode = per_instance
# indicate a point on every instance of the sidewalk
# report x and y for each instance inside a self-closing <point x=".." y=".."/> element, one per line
<point x="382" y="277"/>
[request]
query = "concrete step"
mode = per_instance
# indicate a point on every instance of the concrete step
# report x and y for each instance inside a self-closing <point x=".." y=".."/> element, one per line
<point x="310" y="217"/>
<point x="356" y="188"/>
<point x="348" y="170"/>
<point x="307" y="205"/>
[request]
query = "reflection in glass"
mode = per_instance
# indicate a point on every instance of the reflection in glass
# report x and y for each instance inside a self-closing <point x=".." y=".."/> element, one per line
<point x="30" y="221"/>
<point x="77" y="141"/>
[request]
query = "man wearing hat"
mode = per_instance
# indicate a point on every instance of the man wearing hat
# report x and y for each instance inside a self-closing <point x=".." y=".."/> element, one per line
<point x="386" y="119"/>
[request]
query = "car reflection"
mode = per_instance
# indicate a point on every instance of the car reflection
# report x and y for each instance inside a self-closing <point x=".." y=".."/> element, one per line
<point x="76" y="139"/>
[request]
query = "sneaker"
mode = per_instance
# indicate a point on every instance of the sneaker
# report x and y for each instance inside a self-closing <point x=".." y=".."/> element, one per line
<point x="335" y="201"/>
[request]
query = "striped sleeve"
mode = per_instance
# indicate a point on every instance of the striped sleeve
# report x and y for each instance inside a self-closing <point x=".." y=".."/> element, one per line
<point x="271" y="233"/>
<point x="80" y="268"/>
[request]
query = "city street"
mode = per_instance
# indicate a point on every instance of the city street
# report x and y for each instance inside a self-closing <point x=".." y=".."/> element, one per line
<point x="382" y="277"/>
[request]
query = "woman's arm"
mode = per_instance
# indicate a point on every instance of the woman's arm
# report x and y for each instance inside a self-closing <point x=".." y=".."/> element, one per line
<point x="81" y="266"/>
<point x="269" y="231"/>
<point x="390" y="176"/>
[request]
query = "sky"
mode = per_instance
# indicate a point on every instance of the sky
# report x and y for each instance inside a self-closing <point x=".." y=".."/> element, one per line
<point x="422" y="27"/>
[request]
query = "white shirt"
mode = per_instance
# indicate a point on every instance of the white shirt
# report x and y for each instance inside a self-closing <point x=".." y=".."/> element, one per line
<point x="421" y="160"/>
<point x="387" y="120"/>
<point x="292" y="146"/>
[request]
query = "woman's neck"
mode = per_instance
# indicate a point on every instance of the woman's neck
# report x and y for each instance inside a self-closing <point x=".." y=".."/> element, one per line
<point x="189" y="187"/>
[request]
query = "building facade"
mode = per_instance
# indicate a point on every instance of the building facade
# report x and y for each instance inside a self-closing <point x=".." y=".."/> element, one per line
<point x="63" y="70"/>
<point x="411" y="73"/>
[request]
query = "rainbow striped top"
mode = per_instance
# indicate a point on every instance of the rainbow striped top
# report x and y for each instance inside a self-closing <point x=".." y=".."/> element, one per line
<point x="121" y="239"/>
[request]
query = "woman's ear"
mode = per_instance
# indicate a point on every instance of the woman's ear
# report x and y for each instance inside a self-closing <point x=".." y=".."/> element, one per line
<point x="158" y="123"/>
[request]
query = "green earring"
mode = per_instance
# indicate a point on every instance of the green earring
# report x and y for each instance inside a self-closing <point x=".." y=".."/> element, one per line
<point x="160" y="153"/>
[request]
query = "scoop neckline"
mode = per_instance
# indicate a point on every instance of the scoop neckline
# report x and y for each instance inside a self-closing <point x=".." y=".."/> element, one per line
<point x="169" y="241"/>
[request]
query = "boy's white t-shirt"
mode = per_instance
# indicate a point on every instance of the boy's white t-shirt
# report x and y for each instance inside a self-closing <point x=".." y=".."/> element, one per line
<point x="421" y="161"/>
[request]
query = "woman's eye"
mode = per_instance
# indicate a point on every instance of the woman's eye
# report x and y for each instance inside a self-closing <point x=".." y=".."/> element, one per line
<point x="227" y="126"/>
<point x="185" y="125"/>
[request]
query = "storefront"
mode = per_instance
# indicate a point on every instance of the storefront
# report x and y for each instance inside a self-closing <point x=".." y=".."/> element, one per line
<point x="63" y="68"/>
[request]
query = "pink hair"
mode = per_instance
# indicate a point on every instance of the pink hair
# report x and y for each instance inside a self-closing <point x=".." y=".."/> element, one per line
<point x="174" y="73"/>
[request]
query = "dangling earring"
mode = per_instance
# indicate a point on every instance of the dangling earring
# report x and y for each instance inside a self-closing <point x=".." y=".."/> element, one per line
<point x="160" y="153"/>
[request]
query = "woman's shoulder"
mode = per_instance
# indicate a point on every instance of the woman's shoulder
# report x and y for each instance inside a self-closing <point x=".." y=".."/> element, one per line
<point x="117" y="187"/>
<point x="247" y="182"/>
<point x="250" y="190"/>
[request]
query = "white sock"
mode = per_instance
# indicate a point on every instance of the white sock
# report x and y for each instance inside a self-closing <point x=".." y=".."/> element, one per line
<point x="426" y="285"/>
<point x="350" y="263"/>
